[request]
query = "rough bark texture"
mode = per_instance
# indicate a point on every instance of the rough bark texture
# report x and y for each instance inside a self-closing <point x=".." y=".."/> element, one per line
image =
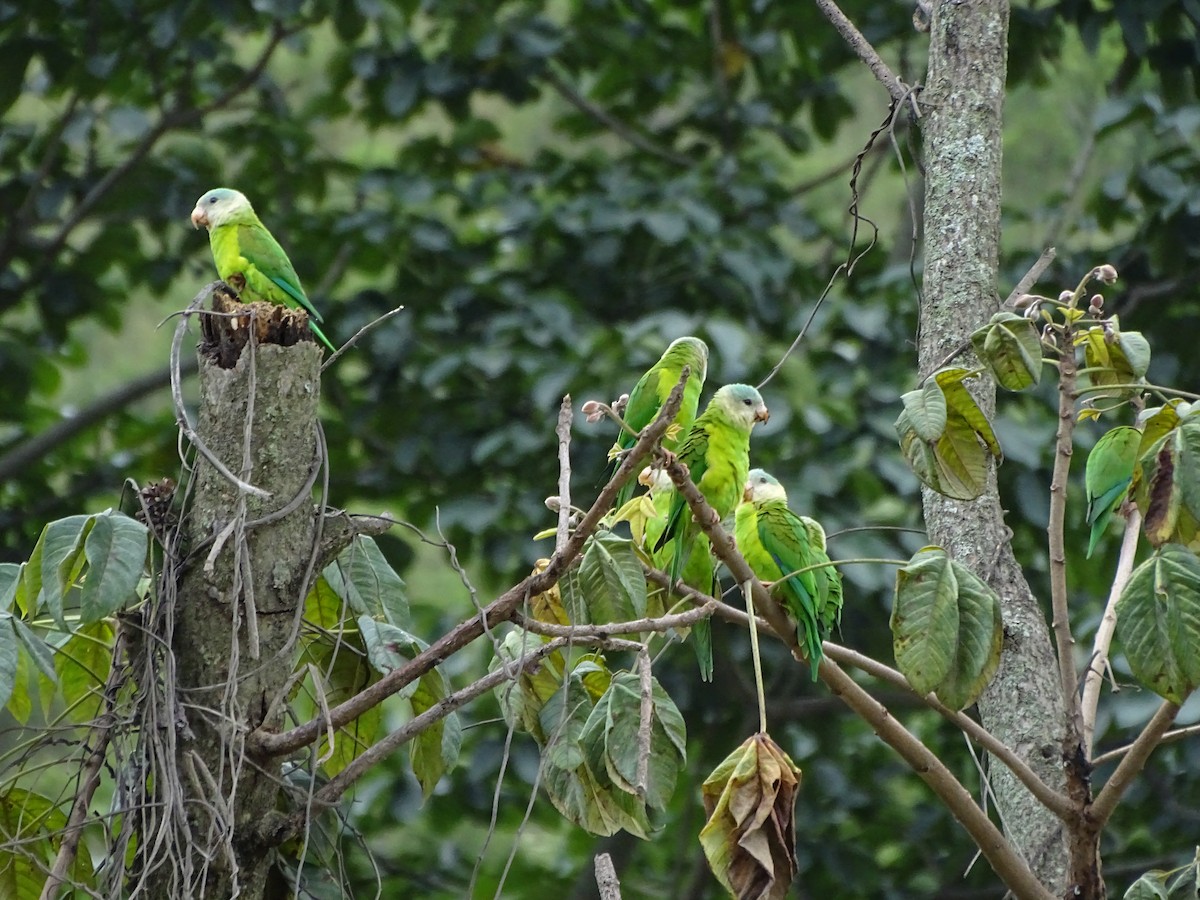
<point x="962" y="104"/>
<point x="245" y="595"/>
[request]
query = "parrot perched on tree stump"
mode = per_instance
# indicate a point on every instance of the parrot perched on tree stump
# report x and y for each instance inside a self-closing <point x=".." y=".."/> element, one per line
<point x="248" y="257"/>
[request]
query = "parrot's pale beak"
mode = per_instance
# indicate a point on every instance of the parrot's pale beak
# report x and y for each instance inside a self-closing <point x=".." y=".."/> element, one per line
<point x="646" y="477"/>
<point x="748" y="493"/>
<point x="199" y="217"/>
<point x="762" y="414"/>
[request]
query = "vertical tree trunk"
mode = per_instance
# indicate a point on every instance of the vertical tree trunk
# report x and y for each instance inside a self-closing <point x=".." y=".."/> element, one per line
<point x="962" y="105"/>
<point x="236" y="614"/>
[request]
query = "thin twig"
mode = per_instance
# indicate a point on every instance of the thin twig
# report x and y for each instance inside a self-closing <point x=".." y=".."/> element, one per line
<point x="1175" y="734"/>
<point x="861" y="46"/>
<point x="760" y="694"/>
<point x="1131" y="763"/>
<point x="611" y="122"/>
<point x="358" y="334"/>
<point x="1030" y="278"/>
<point x="563" y="430"/>
<point x="1094" y="677"/>
<point x="645" y="720"/>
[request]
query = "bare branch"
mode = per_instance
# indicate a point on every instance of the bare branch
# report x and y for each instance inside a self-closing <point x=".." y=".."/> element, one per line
<point x="606" y="878"/>
<point x="1134" y="759"/>
<point x="358" y="334"/>
<point x="563" y="430"/>
<point x="861" y="46"/>
<point x="1175" y="734"/>
<point x="1094" y="677"/>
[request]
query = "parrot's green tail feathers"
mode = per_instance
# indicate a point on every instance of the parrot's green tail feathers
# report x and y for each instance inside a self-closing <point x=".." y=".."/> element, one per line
<point x="811" y="642"/>
<point x="319" y="333"/>
<point x="702" y="644"/>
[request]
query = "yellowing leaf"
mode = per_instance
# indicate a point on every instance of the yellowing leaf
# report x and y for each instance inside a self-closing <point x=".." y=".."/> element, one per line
<point x="750" y="836"/>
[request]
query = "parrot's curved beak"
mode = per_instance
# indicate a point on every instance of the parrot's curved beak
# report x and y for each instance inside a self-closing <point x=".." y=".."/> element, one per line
<point x="748" y="493"/>
<point x="762" y="414"/>
<point x="199" y="217"/>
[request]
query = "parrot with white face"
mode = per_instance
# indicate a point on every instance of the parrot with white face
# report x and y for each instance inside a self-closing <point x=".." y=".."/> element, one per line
<point x="241" y="245"/>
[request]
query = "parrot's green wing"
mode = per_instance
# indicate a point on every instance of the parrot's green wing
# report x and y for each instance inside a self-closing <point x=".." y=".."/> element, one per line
<point x="693" y="454"/>
<point x="263" y="252"/>
<point x="652" y="391"/>
<point x="789" y="544"/>
<point x="1107" y="477"/>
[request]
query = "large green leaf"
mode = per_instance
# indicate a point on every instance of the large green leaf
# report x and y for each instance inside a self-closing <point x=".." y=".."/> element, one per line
<point x="1115" y="357"/>
<point x="54" y="558"/>
<point x="342" y="670"/>
<point x="611" y="579"/>
<point x="592" y="802"/>
<point x="366" y="581"/>
<point x="115" y="549"/>
<point x="10" y="580"/>
<point x="980" y="641"/>
<point x="9" y="657"/>
<point x="434" y="750"/>
<point x="1011" y="347"/>
<point x="610" y="739"/>
<point x="1158" y="622"/>
<point x="925" y="619"/>
<point x="926" y="409"/>
<point x="82" y="664"/>
<point x="31" y="827"/>
<point x="956" y="462"/>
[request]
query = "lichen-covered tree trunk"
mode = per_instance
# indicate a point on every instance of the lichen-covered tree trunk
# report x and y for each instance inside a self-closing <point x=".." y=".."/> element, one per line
<point x="961" y="124"/>
<point x="236" y="614"/>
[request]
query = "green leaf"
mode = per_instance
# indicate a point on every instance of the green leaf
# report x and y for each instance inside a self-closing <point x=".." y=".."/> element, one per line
<point x="343" y="671"/>
<point x="323" y="607"/>
<point x="434" y="750"/>
<point x="363" y="578"/>
<point x="389" y="647"/>
<point x="10" y="580"/>
<point x="1011" y="347"/>
<point x="20" y="701"/>
<point x="9" y="657"/>
<point x="1158" y="622"/>
<point x="590" y="801"/>
<point x="979" y="644"/>
<point x="47" y="576"/>
<point x="926" y="409"/>
<point x="522" y="701"/>
<point x="32" y="827"/>
<point x="82" y="665"/>
<point x="116" y="549"/>
<point x="1116" y="357"/>
<point x="611" y="579"/>
<point x="562" y="720"/>
<point x="1187" y="464"/>
<point x="1177" y="884"/>
<point x="38" y="650"/>
<point x="610" y="739"/>
<point x="925" y="619"/>
<point x="956" y="463"/>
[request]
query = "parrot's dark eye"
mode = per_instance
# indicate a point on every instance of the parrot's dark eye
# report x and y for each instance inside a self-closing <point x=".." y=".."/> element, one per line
<point x="212" y="199"/>
<point x="748" y="402"/>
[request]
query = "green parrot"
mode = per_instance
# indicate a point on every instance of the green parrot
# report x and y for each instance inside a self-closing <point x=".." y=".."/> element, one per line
<point x="241" y="245"/>
<point x="717" y="454"/>
<point x="1108" y="476"/>
<point x="776" y="542"/>
<point x="652" y="390"/>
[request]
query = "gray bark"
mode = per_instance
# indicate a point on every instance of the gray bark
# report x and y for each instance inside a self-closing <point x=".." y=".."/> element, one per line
<point x="249" y="593"/>
<point x="962" y="106"/>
